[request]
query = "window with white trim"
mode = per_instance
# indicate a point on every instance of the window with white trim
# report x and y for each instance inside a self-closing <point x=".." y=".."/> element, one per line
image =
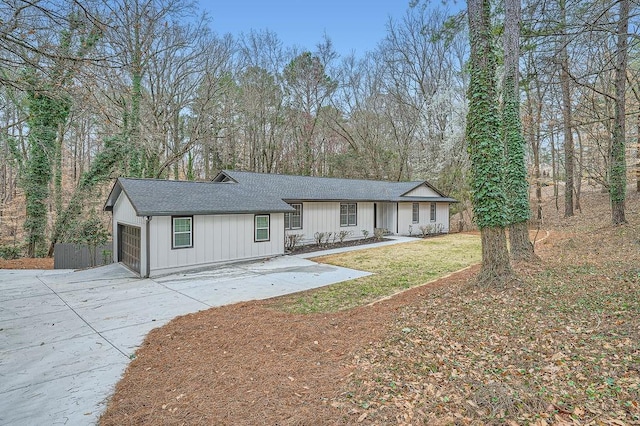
<point x="293" y="220"/>
<point x="182" y="228"/>
<point x="415" y="212"/>
<point x="433" y="212"/>
<point x="348" y="214"/>
<point x="262" y="227"/>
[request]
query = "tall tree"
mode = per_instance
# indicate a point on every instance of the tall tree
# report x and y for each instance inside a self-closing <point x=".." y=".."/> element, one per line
<point x="308" y="89"/>
<point x="565" y="83"/>
<point x="618" y="173"/>
<point x="516" y="185"/>
<point x="49" y="106"/>
<point x="141" y="31"/>
<point x="486" y="148"/>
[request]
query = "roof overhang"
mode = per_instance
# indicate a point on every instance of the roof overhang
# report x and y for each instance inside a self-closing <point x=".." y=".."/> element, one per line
<point x="116" y="190"/>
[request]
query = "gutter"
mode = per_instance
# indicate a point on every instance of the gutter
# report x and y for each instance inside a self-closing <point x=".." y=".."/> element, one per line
<point x="147" y="221"/>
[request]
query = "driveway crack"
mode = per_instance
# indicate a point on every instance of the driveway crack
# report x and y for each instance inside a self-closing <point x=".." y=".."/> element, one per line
<point x="82" y="318"/>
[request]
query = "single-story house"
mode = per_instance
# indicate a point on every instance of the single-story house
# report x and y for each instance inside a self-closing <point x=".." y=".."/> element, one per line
<point x="162" y="225"/>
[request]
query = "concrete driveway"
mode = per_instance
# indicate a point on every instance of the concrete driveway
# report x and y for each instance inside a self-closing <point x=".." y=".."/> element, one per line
<point x="66" y="337"/>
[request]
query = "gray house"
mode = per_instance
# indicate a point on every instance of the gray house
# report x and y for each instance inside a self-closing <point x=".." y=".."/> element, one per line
<point x="162" y="225"/>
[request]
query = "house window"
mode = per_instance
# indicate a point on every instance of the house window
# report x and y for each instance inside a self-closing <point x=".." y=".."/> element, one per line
<point x="348" y="214"/>
<point x="293" y="220"/>
<point x="262" y="227"/>
<point x="415" y="213"/>
<point x="182" y="232"/>
<point x="433" y="212"/>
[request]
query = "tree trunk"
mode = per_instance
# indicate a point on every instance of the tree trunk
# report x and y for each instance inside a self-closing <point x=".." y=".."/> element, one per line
<point x="554" y="168"/>
<point x="578" y="183"/>
<point x="486" y="148"/>
<point x="566" y="114"/>
<point x="618" y="172"/>
<point x="516" y="185"/>
<point x="496" y="268"/>
<point x="638" y="157"/>
<point x="536" y="165"/>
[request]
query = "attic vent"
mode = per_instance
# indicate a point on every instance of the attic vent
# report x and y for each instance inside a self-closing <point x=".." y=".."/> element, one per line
<point x="223" y="178"/>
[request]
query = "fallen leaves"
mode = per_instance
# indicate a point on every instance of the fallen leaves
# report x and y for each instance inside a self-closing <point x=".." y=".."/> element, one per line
<point x="562" y="348"/>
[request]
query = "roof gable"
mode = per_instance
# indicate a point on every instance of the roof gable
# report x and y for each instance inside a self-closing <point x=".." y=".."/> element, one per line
<point x="423" y="190"/>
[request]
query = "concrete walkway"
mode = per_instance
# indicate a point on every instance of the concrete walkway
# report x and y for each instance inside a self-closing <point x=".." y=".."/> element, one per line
<point x="66" y="337"/>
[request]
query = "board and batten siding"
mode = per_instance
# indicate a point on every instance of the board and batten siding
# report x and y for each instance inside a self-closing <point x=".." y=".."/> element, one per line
<point x="216" y="238"/>
<point x="422" y="191"/>
<point x="405" y="217"/>
<point x="324" y="216"/>
<point x="125" y="214"/>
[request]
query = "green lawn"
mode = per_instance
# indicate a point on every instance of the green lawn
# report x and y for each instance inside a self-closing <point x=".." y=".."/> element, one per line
<point x="395" y="268"/>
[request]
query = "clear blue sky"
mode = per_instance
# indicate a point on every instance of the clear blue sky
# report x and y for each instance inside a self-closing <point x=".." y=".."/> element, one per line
<point x="352" y="25"/>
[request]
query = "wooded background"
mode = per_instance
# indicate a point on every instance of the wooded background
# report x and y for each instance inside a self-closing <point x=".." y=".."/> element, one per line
<point x="93" y="90"/>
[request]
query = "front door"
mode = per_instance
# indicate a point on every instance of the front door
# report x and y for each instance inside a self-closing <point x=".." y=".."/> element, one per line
<point x="375" y="215"/>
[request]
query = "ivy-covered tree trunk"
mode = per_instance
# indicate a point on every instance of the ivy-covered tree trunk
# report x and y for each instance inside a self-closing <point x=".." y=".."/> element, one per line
<point x="485" y="148"/>
<point x="113" y="155"/>
<point x="516" y="185"/>
<point x="47" y="114"/>
<point x="618" y="172"/>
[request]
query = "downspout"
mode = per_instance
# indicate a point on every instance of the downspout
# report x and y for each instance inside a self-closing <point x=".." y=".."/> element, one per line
<point x="147" y="221"/>
<point x="397" y="218"/>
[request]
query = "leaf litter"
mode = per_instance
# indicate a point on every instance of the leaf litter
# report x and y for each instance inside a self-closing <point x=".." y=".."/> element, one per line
<point x="561" y="346"/>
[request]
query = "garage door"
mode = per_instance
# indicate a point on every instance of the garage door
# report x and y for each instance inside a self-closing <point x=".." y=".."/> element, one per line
<point x="129" y="246"/>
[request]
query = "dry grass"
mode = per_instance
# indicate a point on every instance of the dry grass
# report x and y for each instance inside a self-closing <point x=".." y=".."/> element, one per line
<point x="395" y="268"/>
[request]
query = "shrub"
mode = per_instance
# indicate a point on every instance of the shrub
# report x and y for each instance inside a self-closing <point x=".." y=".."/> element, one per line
<point x="10" y="252"/>
<point x="378" y="233"/>
<point x="343" y="234"/>
<point x="365" y="234"/>
<point x="410" y="230"/>
<point x="319" y="237"/>
<point x="91" y="232"/>
<point x="427" y="230"/>
<point x="292" y="241"/>
<point x="107" y="257"/>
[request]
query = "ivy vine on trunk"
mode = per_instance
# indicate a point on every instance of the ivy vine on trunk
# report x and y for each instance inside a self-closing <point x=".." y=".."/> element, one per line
<point x="516" y="185"/>
<point x="486" y="149"/>
<point x="47" y="114"/>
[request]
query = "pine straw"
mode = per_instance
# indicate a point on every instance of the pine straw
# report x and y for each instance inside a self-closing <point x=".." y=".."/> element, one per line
<point x="560" y="347"/>
<point x="247" y="364"/>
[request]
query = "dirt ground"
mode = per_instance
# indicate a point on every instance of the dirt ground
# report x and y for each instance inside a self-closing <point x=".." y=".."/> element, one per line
<point x="27" y="263"/>
<point x="248" y="364"/>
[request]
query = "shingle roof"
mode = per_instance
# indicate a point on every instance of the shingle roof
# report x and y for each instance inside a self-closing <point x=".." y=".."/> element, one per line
<point x="156" y="197"/>
<point x="254" y="193"/>
<point x="308" y="188"/>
